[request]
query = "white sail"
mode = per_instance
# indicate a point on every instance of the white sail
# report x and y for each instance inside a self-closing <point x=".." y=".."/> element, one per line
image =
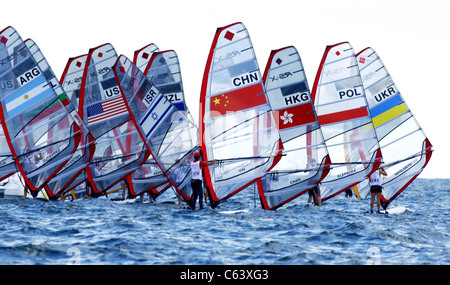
<point x="236" y="124"/>
<point x="169" y="135"/>
<point x="40" y="131"/>
<point x="105" y="110"/>
<point x="305" y="161"/>
<point x="341" y="108"/>
<point x="163" y="70"/>
<point x="405" y="147"/>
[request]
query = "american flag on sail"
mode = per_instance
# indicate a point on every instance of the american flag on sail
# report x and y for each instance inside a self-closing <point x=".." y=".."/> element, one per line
<point x="106" y="110"/>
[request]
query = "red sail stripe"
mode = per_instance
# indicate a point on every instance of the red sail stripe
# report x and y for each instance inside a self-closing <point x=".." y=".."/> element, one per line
<point x="343" y="116"/>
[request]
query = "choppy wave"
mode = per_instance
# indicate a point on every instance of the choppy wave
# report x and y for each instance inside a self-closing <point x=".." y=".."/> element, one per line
<point x="100" y="231"/>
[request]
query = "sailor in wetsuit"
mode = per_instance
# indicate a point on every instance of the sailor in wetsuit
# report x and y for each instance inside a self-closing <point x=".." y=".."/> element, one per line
<point x="197" y="178"/>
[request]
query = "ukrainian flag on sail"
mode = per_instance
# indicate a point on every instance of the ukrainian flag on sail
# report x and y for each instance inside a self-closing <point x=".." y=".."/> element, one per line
<point x="388" y="110"/>
<point x="25" y="97"/>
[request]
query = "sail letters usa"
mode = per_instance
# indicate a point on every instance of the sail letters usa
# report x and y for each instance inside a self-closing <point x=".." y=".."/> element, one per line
<point x="237" y="100"/>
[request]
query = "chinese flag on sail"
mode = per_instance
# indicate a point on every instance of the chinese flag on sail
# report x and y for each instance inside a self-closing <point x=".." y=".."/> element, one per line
<point x="236" y="100"/>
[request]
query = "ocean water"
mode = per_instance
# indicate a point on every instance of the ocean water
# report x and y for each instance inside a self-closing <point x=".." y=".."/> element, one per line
<point x="238" y="232"/>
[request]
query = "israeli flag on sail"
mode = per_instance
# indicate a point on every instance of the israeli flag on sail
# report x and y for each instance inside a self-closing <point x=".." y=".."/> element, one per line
<point x="155" y="115"/>
<point x="23" y="98"/>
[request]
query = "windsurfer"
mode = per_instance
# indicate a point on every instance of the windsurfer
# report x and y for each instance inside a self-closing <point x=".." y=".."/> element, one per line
<point x="124" y="187"/>
<point x="25" y="190"/>
<point x="30" y="165"/>
<point x="315" y="193"/>
<point x="375" y="187"/>
<point x="197" y="179"/>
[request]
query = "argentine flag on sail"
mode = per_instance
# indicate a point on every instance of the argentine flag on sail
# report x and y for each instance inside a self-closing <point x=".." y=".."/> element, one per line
<point x="23" y="98"/>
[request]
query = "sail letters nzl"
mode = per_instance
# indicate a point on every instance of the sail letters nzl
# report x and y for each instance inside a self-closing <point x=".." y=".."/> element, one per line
<point x="28" y="76"/>
<point x="245" y="79"/>
<point x="173" y="97"/>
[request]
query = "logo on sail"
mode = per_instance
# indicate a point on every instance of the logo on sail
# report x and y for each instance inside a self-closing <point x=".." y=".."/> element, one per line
<point x="287" y="117"/>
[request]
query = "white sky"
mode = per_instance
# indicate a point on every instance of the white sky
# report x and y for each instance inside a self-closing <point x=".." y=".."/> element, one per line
<point x="411" y="37"/>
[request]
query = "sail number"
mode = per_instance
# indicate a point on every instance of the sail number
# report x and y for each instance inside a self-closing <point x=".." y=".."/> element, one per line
<point x="245" y="79"/>
<point x="349" y="93"/>
<point x="28" y="76"/>
<point x="151" y="94"/>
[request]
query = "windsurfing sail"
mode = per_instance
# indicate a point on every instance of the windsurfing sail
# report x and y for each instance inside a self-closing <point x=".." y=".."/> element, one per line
<point x="341" y="108"/>
<point x="7" y="164"/>
<point x="73" y="174"/>
<point x="119" y="149"/>
<point x="170" y="136"/>
<point x="305" y="161"/>
<point x="163" y="70"/>
<point x="405" y="147"/>
<point x="149" y="176"/>
<point x="31" y="112"/>
<point x="236" y="123"/>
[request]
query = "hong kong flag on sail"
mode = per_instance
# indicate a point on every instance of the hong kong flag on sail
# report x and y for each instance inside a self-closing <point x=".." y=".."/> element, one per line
<point x="295" y="116"/>
<point x="237" y="100"/>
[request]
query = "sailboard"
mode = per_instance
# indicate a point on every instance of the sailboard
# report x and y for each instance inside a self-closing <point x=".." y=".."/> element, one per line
<point x="169" y="135"/>
<point x="405" y="147"/>
<point x="163" y="70"/>
<point x="119" y="149"/>
<point x="236" y="123"/>
<point x="31" y="112"/>
<point x="305" y="161"/>
<point x="344" y="117"/>
<point x="394" y="210"/>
